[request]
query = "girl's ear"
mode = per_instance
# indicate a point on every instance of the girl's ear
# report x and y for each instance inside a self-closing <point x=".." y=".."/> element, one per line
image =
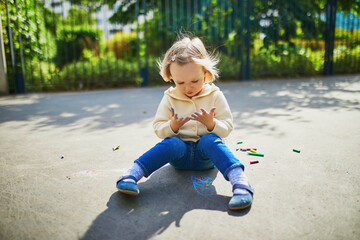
<point x="207" y="76"/>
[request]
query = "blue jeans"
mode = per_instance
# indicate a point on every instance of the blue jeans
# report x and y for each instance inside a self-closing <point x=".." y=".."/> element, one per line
<point x="208" y="152"/>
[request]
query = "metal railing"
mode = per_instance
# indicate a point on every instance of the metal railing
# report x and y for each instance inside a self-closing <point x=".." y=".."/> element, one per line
<point x="71" y="45"/>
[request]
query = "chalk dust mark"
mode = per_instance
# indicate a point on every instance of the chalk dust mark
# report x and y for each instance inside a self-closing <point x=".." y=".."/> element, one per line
<point x="203" y="184"/>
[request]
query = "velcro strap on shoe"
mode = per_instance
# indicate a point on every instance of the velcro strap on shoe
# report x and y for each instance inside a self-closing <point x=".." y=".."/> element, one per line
<point x="126" y="177"/>
<point x="242" y="186"/>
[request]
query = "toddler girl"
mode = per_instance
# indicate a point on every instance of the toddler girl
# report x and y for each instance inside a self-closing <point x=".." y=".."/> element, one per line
<point x="192" y="118"/>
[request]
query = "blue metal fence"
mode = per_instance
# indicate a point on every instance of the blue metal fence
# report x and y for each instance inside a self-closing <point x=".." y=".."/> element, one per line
<point x="71" y="44"/>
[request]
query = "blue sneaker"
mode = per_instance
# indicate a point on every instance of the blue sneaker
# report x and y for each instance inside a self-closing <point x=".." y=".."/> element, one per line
<point x="241" y="201"/>
<point x="129" y="188"/>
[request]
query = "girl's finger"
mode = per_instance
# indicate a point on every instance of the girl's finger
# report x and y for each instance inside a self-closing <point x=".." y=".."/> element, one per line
<point x="172" y="112"/>
<point x="212" y="110"/>
<point x="203" y="111"/>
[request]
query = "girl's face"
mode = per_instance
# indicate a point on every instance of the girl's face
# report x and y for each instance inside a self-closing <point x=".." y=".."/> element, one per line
<point x="189" y="78"/>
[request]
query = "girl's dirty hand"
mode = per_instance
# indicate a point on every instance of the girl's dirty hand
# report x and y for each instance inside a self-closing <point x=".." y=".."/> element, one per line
<point x="206" y="118"/>
<point x="176" y="123"/>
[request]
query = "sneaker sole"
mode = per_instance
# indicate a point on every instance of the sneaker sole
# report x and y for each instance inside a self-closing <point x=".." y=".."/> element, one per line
<point x="129" y="192"/>
<point x="240" y="208"/>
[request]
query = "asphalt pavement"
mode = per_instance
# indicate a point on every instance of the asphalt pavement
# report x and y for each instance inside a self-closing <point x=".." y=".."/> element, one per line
<point x="58" y="167"/>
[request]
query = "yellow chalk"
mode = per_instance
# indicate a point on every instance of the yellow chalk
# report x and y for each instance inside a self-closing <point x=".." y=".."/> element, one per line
<point x="116" y="148"/>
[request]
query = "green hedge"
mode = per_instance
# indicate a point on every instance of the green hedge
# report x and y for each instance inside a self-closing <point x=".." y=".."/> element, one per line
<point x="110" y="72"/>
<point x="71" y="43"/>
<point x="106" y="72"/>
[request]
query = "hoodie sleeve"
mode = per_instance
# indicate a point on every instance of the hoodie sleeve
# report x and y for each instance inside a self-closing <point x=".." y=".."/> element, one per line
<point x="223" y="117"/>
<point x="161" y="123"/>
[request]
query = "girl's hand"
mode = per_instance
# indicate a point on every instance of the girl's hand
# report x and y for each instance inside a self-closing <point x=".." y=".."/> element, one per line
<point x="206" y="118"/>
<point x="176" y="123"/>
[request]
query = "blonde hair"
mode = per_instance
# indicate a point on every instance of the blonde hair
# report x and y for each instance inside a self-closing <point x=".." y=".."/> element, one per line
<point x="186" y="50"/>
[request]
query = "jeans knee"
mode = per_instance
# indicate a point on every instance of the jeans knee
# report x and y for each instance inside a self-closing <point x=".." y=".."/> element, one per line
<point x="209" y="138"/>
<point x="176" y="145"/>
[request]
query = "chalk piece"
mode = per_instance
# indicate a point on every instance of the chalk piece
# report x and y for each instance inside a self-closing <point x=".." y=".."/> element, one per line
<point x="298" y="151"/>
<point x="253" y="162"/>
<point x="243" y="149"/>
<point x="62" y="156"/>
<point x="239" y="142"/>
<point x="116" y="148"/>
<point x="237" y="149"/>
<point x="253" y="151"/>
<point x="256" y="154"/>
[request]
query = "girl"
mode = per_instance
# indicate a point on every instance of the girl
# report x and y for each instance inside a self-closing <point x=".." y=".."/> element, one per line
<point x="192" y="118"/>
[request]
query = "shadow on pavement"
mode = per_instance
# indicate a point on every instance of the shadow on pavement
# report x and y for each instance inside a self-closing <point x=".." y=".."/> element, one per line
<point x="164" y="199"/>
<point x="254" y="101"/>
<point x="116" y="108"/>
<point x="104" y="109"/>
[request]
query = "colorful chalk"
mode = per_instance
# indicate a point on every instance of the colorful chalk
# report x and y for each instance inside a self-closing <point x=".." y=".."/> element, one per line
<point x="239" y="142"/>
<point x="295" y="150"/>
<point x="253" y="151"/>
<point x="253" y="162"/>
<point x="247" y="149"/>
<point x="116" y="148"/>
<point x="256" y="154"/>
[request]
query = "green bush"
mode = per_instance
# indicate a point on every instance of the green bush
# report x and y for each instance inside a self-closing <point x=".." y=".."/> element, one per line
<point x="72" y="41"/>
<point x="39" y="75"/>
<point x="103" y="72"/>
<point x="291" y="65"/>
<point x="155" y="78"/>
<point x="123" y="45"/>
<point x="346" y="35"/>
<point x="106" y="72"/>
<point x="229" y="68"/>
<point x="347" y="64"/>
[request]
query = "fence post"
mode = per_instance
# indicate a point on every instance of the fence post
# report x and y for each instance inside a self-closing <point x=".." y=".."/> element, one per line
<point x="246" y="73"/>
<point x="245" y="39"/>
<point x="18" y="77"/>
<point x="329" y="36"/>
<point x="4" y="88"/>
<point x="20" y="41"/>
<point x="241" y="38"/>
<point x="145" y="70"/>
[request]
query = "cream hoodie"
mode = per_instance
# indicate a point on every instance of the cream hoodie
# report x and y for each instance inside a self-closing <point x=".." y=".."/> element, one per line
<point x="210" y="97"/>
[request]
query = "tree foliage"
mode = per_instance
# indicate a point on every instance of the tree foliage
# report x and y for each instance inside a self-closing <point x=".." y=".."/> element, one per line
<point x="276" y="19"/>
<point x="53" y="40"/>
